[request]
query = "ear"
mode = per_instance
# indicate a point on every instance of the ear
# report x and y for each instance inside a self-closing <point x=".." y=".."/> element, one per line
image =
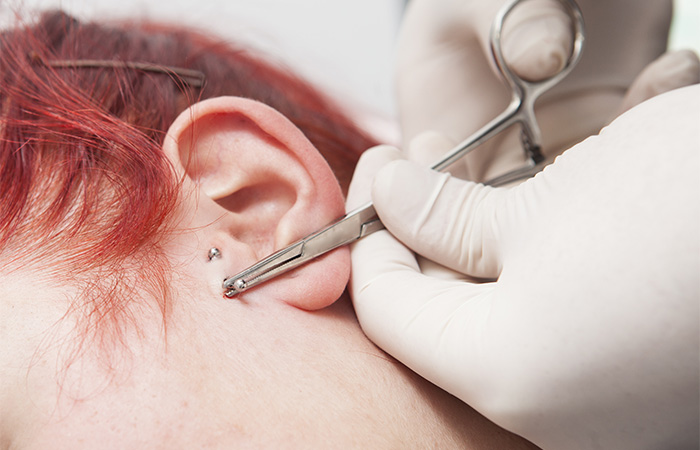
<point x="260" y="185"/>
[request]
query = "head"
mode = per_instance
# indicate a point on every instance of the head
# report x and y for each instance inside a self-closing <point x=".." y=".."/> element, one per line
<point x="114" y="184"/>
<point x="117" y="181"/>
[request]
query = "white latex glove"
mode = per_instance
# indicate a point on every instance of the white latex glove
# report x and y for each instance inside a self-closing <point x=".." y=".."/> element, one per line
<point x="588" y="338"/>
<point x="447" y="82"/>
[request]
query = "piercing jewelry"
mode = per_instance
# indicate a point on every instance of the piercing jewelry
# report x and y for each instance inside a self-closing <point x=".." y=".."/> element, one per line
<point x="214" y="253"/>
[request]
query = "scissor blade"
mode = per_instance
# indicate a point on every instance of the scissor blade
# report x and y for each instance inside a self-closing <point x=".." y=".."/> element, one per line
<point x="354" y="225"/>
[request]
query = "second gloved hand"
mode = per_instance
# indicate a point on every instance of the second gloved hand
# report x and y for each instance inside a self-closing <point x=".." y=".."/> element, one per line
<point x="446" y="80"/>
<point x="586" y="333"/>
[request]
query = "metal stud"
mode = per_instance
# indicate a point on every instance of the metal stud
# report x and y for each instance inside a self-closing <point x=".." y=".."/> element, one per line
<point x="214" y="253"/>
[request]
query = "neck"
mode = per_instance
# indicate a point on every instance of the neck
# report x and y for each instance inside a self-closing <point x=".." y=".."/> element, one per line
<point x="230" y="373"/>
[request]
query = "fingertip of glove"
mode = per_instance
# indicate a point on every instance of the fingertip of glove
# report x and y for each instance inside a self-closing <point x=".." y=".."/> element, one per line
<point x="401" y="185"/>
<point x="676" y="69"/>
<point x="379" y="155"/>
<point x="537" y="40"/>
<point x="428" y="147"/>
<point x="670" y="71"/>
<point x="390" y="178"/>
<point x="368" y="165"/>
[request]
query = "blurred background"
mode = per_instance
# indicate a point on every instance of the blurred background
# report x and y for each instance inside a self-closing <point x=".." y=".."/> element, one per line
<point x="344" y="46"/>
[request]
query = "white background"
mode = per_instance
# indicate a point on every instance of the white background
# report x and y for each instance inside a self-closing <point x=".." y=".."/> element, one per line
<point x="346" y="46"/>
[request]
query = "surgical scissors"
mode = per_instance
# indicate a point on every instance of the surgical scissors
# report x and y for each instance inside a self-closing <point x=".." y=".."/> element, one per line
<point x="364" y="220"/>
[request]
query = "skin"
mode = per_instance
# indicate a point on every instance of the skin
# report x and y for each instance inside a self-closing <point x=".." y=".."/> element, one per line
<point x="281" y="366"/>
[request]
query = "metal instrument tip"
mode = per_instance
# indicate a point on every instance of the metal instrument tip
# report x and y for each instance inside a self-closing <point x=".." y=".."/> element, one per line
<point x="235" y="288"/>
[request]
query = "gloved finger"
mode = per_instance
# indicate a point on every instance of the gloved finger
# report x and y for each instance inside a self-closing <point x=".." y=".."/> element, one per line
<point x="359" y="192"/>
<point x="441" y="70"/>
<point x="425" y="149"/>
<point x="537" y="42"/>
<point x="431" y="325"/>
<point x="444" y="64"/>
<point x="670" y="71"/>
<point x="537" y="39"/>
<point x="450" y="221"/>
<point x="431" y="146"/>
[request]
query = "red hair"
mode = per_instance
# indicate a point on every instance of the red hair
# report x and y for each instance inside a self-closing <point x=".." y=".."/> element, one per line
<point x="84" y="186"/>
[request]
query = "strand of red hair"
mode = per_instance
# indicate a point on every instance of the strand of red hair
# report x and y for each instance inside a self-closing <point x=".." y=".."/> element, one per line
<point x="87" y="194"/>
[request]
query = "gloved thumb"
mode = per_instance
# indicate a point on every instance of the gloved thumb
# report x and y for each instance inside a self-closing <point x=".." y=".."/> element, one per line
<point x="537" y="39"/>
<point x="450" y="221"/>
<point x="670" y="71"/>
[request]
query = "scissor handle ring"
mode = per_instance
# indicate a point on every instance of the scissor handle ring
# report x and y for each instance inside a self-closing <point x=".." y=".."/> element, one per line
<point x="520" y="83"/>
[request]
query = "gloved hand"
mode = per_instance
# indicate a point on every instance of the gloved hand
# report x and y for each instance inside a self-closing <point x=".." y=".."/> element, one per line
<point x="447" y="82"/>
<point x="586" y="334"/>
<point x="571" y="316"/>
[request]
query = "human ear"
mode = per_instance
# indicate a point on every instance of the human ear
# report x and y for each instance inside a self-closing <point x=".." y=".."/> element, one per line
<point x="261" y="185"/>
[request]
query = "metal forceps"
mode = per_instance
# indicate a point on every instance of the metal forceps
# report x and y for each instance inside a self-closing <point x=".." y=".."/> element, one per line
<point x="364" y="220"/>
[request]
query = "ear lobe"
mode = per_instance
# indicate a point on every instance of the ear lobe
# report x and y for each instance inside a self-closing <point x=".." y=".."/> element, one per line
<point x="270" y="186"/>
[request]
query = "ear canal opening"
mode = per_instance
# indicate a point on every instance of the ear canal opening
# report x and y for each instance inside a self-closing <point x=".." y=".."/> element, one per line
<point x="263" y="199"/>
<point x="263" y="205"/>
